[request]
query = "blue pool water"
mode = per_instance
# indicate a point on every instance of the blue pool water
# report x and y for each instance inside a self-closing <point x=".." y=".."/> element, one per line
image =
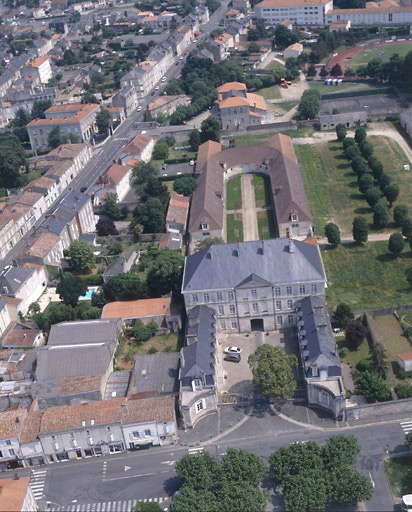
<point x="88" y="293"/>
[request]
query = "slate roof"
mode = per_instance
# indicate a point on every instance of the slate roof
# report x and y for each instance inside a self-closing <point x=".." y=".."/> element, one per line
<point x="14" y="279"/>
<point x="157" y="373"/>
<point x="224" y="267"/>
<point x="84" y="332"/>
<point x="314" y="326"/>
<point x="119" y="266"/>
<point x="74" y="200"/>
<point x="199" y="354"/>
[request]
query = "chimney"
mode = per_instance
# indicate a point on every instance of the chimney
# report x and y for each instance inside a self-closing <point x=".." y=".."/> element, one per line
<point x="291" y="246"/>
<point x="336" y="349"/>
<point x="237" y="244"/>
<point x="34" y="229"/>
<point x="48" y="228"/>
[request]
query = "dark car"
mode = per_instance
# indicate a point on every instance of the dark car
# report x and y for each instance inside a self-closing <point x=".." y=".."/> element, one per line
<point x="83" y="189"/>
<point x="235" y="358"/>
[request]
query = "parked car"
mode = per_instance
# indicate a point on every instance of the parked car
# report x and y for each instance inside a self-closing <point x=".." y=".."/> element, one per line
<point x="192" y="162"/>
<point x="139" y="109"/>
<point x="164" y="79"/>
<point x="235" y="358"/>
<point x="232" y="350"/>
<point x="156" y="88"/>
<point x="164" y="166"/>
<point x="83" y="189"/>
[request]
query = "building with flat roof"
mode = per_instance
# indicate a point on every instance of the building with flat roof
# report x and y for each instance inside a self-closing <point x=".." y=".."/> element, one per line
<point x="384" y="13"/>
<point x="300" y="12"/>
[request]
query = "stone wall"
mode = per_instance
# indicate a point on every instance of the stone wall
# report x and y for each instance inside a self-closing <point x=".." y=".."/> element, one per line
<point x="380" y="409"/>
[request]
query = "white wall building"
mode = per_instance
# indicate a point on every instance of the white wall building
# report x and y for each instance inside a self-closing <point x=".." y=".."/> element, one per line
<point x="300" y="12"/>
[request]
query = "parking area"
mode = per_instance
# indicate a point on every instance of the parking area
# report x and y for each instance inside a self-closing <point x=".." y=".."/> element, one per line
<point x="236" y="378"/>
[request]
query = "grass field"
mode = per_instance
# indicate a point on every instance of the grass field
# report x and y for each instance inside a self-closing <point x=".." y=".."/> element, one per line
<point x="262" y="139"/>
<point x="234" y="228"/>
<point x="266" y="225"/>
<point x="261" y="185"/>
<point x="275" y="66"/>
<point x="269" y="93"/>
<point x="128" y="349"/>
<point x="287" y="105"/>
<point x="354" y="356"/>
<point x="233" y="194"/>
<point x="366" y="56"/>
<point x="330" y="89"/>
<point x="389" y="331"/>
<point x="399" y="473"/>
<point x="331" y="185"/>
<point x="366" y="277"/>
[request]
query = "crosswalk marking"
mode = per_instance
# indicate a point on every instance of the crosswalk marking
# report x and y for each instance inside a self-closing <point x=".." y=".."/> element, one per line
<point x="109" y="506"/>
<point x="406" y="426"/>
<point x="196" y="450"/>
<point x="37" y="482"/>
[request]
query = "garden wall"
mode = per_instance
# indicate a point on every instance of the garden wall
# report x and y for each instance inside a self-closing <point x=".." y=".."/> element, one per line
<point x="379" y="409"/>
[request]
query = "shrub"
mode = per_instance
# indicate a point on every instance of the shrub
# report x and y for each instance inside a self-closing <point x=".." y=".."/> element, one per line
<point x="396" y="243"/>
<point x="351" y="152"/>
<point x="344" y="352"/>
<point x="360" y="134"/>
<point x="365" y="365"/>
<point x="380" y="215"/>
<point x="375" y="166"/>
<point x="355" y="333"/>
<point x="365" y="182"/>
<point x="358" y="165"/>
<point x="384" y="181"/>
<point x="400" y="214"/>
<point x="372" y="196"/>
<point x="366" y="149"/>
<point x="374" y="387"/>
<point x="332" y="233"/>
<point x="348" y="141"/>
<point x="403" y="390"/>
<point x="340" y="132"/>
<point x="407" y="228"/>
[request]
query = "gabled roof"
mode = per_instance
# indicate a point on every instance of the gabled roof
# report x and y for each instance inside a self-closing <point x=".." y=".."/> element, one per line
<point x="15" y="279"/>
<point x="137" y="308"/>
<point x="228" y="265"/>
<point x="137" y="145"/>
<point x="84" y="332"/>
<point x="229" y="86"/>
<point x="205" y="151"/>
<point x="253" y="281"/>
<point x="114" y="175"/>
<point x="13" y="493"/>
<point x="20" y="338"/>
<point x="10" y="424"/>
<point x="178" y="209"/>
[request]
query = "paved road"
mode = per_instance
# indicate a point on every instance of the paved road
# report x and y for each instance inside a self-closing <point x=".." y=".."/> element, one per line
<point x="149" y="475"/>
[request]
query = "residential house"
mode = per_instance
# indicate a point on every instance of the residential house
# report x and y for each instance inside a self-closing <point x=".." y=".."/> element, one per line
<point x="5" y="319"/>
<point x="237" y="108"/>
<point x="121" y="265"/>
<point x="140" y="148"/>
<point x="293" y="51"/>
<point x="177" y="213"/>
<point x="300" y="12"/>
<point x="23" y="338"/>
<point x="166" y="315"/>
<point x="25" y="283"/>
<point x="242" y="5"/>
<point x="31" y="450"/>
<point x="48" y="187"/>
<point x="76" y="118"/>
<point x="26" y="98"/>
<point x="340" y="26"/>
<point x="156" y="374"/>
<point x="166" y="105"/>
<point x="33" y="199"/>
<point x="232" y="15"/>
<point x="126" y="98"/>
<point x="277" y="160"/>
<point x="38" y="13"/>
<point x="245" y="291"/>
<point x="15" y="221"/>
<point x="197" y="375"/>
<point x="319" y="356"/>
<point x="17" y="495"/>
<point x="115" y="180"/>
<point x="43" y="46"/>
<point x="39" y="68"/>
<point x="43" y="249"/>
<point x="287" y="23"/>
<point x="10" y="427"/>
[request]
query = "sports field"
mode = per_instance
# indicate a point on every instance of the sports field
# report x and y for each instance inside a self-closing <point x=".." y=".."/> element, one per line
<point x="365" y="56"/>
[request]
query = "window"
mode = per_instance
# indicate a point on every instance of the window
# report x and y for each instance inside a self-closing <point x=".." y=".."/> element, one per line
<point x="219" y="296"/>
<point x="8" y="442"/>
<point x="323" y="397"/>
<point x="205" y="226"/>
<point x="290" y="319"/>
<point x="234" y="324"/>
<point x="254" y="294"/>
<point x="197" y="384"/>
<point x="255" y="307"/>
<point x="195" y="298"/>
<point x="136" y="434"/>
<point x="279" y="320"/>
<point x="278" y="305"/>
<point x="147" y="432"/>
<point x="199" y="406"/>
<point x="206" y="297"/>
<point x="302" y="288"/>
<point x="288" y="290"/>
<point x="277" y="291"/>
<point x="315" y="371"/>
<point x="221" y="309"/>
<point x="232" y="309"/>
<point x="83" y="423"/>
<point x="12" y="453"/>
<point x="293" y="217"/>
<point x="231" y="296"/>
<point x="91" y="422"/>
<point x="223" y="324"/>
<point x="313" y="288"/>
<point x="290" y="303"/>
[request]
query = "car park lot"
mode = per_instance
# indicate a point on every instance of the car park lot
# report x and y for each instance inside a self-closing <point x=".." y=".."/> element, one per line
<point x="236" y="378"/>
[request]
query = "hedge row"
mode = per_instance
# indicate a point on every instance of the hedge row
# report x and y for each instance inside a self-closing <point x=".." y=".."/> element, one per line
<point x="367" y="92"/>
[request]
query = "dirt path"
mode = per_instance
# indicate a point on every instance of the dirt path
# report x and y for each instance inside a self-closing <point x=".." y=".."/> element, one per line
<point x="250" y="230"/>
<point x="294" y="92"/>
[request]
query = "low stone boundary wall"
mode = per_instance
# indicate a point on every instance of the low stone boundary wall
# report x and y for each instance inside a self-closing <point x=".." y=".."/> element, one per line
<point x="380" y="409"/>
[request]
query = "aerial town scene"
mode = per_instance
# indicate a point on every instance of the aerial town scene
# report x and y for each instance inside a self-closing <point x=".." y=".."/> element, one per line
<point x="205" y="255"/>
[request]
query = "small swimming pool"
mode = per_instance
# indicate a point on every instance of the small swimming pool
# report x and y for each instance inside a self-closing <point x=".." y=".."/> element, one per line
<point x="89" y="293"/>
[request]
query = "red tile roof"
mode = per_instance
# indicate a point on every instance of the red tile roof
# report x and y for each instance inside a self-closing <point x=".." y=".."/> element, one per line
<point x="137" y="145"/>
<point x="21" y="338"/>
<point x="13" y="493"/>
<point x="137" y="308"/>
<point x="10" y="424"/>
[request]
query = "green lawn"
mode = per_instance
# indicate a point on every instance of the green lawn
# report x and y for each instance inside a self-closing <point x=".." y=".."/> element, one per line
<point x="287" y="105"/>
<point x="234" y="228"/>
<point x="366" y="277"/>
<point x="328" y="89"/>
<point x="354" y="356"/>
<point x="275" y="66"/>
<point x="366" y="56"/>
<point x="261" y="139"/>
<point x="266" y="225"/>
<point x="234" y="194"/>
<point x="178" y="153"/>
<point x="261" y="185"/>
<point x="269" y="93"/>
<point x="331" y="185"/>
<point x="399" y="473"/>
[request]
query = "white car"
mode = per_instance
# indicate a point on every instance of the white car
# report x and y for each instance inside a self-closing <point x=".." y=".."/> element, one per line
<point x="164" y="79"/>
<point x="192" y="162"/>
<point x="232" y="350"/>
<point x="139" y="109"/>
<point x="156" y="88"/>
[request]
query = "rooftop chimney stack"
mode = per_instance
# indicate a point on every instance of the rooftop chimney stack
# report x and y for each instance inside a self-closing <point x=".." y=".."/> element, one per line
<point x="237" y="244"/>
<point x="291" y="246"/>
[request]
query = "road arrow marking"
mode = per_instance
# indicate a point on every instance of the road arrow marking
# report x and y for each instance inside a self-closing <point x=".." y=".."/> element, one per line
<point x="126" y="468"/>
<point x="169" y="462"/>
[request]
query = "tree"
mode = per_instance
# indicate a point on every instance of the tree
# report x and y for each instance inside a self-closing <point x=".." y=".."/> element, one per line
<point x="161" y="118"/>
<point x="373" y="386"/>
<point x="285" y="37"/>
<point x="150" y="215"/>
<point x="70" y="288"/>
<point x="332" y="233"/>
<point x="351" y="152"/>
<point x="242" y="466"/>
<point x="253" y="34"/>
<point x="408" y="439"/>
<point x="360" y="134"/>
<point x="365" y="183"/>
<point x="336" y="70"/>
<point x="309" y="105"/>
<point x="105" y="227"/>
<point x="407" y="228"/>
<point x="375" y="166"/>
<point x="358" y="165"/>
<point x="360" y="230"/>
<point x="115" y="248"/>
<point x="185" y="185"/>
<point x="39" y="107"/>
<point x="379" y="358"/>
<point x="194" y="139"/>
<point x="207" y="242"/>
<point x="81" y="256"/>
<point x="140" y="331"/>
<point x="111" y="206"/>
<point x="253" y="47"/>
<point x="212" y="5"/>
<point x="103" y="120"/>
<point x="342" y="315"/>
<point x="154" y="188"/>
<point x="12" y="159"/>
<point x="165" y="274"/>
<point x="340" y="132"/>
<point x="355" y="333"/>
<point x="384" y="181"/>
<point x="160" y="150"/>
<point x="396" y="244"/>
<point x="366" y="149"/>
<point x="55" y="139"/>
<point x="403" y="390"/>
<point x="400" y="214"/>
<point x="391" y="193"/>
<point x="124" y="286"/>
<point x="372" y="196"/>
<point x="272" y="371"/>
<point x="147" y="507"/>
<point x="380" y="215"/>
<point x="210" y="129"/>
<point x="142" y="171"/>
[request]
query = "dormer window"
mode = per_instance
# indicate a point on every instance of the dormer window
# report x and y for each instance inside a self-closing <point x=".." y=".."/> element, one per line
<point x="197" y="384"/>
<point x="294" y="217"/>
<point x="315" y="371"/>
<point x="205" y="226"/>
